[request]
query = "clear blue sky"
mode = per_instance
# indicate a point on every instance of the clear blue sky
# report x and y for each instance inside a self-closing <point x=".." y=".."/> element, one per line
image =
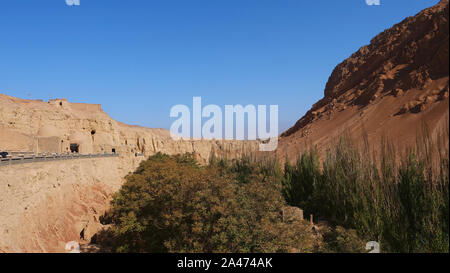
<point x="138" y="58"/>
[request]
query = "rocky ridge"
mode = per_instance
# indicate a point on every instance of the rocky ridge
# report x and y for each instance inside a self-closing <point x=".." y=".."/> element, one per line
<point x="389" y="87"/>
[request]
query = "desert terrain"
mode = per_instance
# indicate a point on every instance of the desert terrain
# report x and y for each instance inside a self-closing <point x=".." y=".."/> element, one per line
<point x="389" y="88"/>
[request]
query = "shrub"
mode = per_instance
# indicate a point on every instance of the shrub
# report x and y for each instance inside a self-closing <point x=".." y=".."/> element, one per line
<point x="171" y="204"/>
<point x="403" y="203"/>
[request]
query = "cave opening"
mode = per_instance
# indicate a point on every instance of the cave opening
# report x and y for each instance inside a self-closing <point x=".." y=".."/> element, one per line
<point x="74" y="148"/>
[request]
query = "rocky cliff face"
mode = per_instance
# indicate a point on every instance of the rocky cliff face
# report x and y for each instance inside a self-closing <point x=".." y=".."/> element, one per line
<point x="36" y="126"/>
<point x="45" y="205"/>
<point x="388" y="87"/>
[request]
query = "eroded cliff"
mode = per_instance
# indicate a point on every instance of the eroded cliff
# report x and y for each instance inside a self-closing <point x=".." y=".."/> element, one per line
<point x="390" y="87"/>
<point x="45" y="205"/>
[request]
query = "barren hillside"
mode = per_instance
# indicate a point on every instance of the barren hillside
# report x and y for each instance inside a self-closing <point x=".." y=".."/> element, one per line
<point x="388" y="88"/>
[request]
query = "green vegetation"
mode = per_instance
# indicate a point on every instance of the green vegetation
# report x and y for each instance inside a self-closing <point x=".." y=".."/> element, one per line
<point x="401" y="202"/>
<point x="171" y="204"/>
<point x="399" y="199"/>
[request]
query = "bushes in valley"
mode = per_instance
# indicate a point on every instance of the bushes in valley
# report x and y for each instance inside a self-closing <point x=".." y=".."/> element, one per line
<point x="401" y="201"/>
<point x="172" y="204"/>
<point x="340" y="240"/>
<point x="397" y="198"/>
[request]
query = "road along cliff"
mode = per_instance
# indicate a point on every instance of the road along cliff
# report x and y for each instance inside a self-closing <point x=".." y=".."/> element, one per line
<point x="44" y="205"/>
<point x="58" y="126"/>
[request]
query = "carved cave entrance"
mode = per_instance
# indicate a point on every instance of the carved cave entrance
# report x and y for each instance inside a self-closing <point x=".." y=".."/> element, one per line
<point x="74" y="148"/>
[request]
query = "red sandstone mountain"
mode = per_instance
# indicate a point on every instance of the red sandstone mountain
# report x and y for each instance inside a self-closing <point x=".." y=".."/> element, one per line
<point x="390" y="87"/>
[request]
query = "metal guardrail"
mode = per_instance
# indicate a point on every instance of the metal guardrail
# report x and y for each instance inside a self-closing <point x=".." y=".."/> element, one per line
<point x="29" y="159"/>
